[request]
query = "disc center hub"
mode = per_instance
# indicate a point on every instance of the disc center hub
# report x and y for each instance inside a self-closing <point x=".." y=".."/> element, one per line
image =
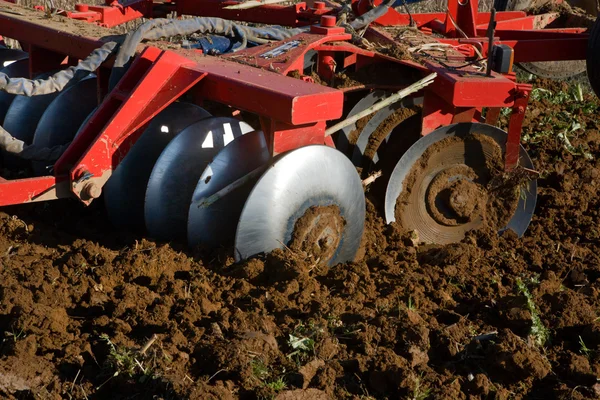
<point x="318" y="232"/>
<point x="454" y="198"/>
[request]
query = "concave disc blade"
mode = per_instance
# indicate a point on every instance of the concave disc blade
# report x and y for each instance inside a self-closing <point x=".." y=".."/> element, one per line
<point x="177" y="170"/>
<point x="349" y="135"/>
<point x="215" y="224"/>
<point x="18" y="69"/>
<point x="9" y="56"/>
<point x="312" y="178"/>
<point x="125" y="191"/>
<point x="374" y="131"/>
<point x="22" y="118"/>
<point x="554" y="69"/>
<point x="459" y="147"/>
<point x="63" y="117"/>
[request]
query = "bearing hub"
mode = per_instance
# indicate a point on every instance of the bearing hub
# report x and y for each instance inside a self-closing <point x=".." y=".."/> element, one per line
<point x="318" y="232"/>
<point x="453" y="198"/>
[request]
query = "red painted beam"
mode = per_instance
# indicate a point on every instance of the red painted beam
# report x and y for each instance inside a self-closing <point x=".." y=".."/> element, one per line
<point x="19" y="191"/>
<point x="468" y="89"/>
<point x="59" y="41"/>
<point x="550" y="50"/>
<point x="264" y="92"/>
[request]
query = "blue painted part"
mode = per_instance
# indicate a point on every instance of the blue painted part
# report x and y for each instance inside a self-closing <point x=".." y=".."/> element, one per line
<point x="399" y="3"/>
<point x="214" y="44"/>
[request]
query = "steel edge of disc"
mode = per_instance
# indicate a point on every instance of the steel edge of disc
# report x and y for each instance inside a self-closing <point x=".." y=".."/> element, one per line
<point x="288" y="188"/>
<point x="526" y="206"/>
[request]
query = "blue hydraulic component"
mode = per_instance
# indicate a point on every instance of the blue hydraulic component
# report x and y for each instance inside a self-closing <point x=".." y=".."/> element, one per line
<point x="214" y="44"/>
<point x="399" y="3"/>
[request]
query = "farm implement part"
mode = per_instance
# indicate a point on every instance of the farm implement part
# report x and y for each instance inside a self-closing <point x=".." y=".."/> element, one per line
<point x="253" y="135"/>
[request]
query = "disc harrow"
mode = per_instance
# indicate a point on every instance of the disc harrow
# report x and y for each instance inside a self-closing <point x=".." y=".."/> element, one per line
<point x="227" y="140"/>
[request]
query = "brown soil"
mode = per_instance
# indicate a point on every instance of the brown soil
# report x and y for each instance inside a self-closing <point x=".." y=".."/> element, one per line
<point x="317" y="233"/>
<point x="79" y="301"/>
<point x="463" y="196"/>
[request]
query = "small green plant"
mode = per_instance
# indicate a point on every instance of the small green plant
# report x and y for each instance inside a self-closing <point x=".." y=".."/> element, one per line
<point x="302" y="341"/>
<point x="16" y="335"/>
<point x="538" y="331"/>
<point x="586" y="351"/>
<point x="120" y="359"/>
<point x="300" y="345"/>
<point x="411" y="306"/>
<point x="259" y="369"/>
<point x="277" y="385"/>
<point x="420" y="392"/>
<point x="564" y="138"/>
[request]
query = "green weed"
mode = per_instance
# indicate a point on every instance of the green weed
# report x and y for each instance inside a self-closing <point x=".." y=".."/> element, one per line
<point x="538" y="331"/>
<point x="121" y="359"/>
<point x="586" y="351"/>
<point x="302" y="341"/>
<point x="277" y="385"/>
<point x="420" y="392"/>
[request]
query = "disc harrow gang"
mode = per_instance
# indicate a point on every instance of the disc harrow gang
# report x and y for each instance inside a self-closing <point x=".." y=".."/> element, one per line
<point x="125" y="191"/>
<point x="164" y="134"/>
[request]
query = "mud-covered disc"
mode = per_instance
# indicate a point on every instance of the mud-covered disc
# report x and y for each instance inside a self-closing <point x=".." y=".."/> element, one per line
<point x="178" y="169"/>
<point x="346" y="140"/>
<point x="310" y="200"/>
<point x="125" y="191"/>
<point x="452" y="181"/>
<point x="214" y="225"/>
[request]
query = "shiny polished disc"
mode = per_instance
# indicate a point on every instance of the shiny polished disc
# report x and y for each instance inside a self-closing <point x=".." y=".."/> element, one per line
<point x="214" y="225"/>
<point x="125" y="191"/>
<point x="178" y="169"/>
<point x="310" y="200"/>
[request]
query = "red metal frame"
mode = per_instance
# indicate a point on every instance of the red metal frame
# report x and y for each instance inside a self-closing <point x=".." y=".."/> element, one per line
<point x="292" y="112"/>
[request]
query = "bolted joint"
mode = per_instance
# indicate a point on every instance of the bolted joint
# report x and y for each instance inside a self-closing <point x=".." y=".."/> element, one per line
<point x="91" y="190"/>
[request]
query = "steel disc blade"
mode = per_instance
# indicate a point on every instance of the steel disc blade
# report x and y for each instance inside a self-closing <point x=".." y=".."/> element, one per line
<point x="9" y="56"/>
<point x="18" y="69"/>
<point x="554" y="69"/>
<point x="436" y="153"/>
<point x="63" y="117"/>
<point x="374" y="128"/>
<point x="22" y="118"/>
<point x="215" y="224"/>
<point x="309" y="178"/>
<point x="125" y="191"/>
<point x="345" y="141"/>
<point x="177" y="170"/>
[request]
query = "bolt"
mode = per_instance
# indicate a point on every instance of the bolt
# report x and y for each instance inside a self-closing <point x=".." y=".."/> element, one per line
<point x="81" y="7"/>
<point x="328" y="21"/>
<point x="319" y="5"/>
<point x="521" y="109"/>
<point x="91" y="190"/>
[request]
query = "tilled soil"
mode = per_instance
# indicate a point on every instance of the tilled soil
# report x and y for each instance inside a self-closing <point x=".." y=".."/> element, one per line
<point x="87" y="312"/>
